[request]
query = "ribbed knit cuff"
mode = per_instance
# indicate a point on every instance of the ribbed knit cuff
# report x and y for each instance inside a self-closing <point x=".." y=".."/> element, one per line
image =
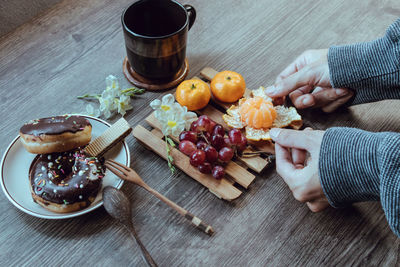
<point x="371" y="69"/>
<point x="389" y="168"/>
<point x="350" y="64"/>
<point x="348" y="167"/>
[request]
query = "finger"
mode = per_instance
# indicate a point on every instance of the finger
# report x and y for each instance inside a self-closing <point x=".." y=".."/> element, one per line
<point x="284" y="165"/>
<point x="301" y="98"/>
<point x="317" y="89"/>
<point x="298" y="157"/>
<point x="292" y="138"/>
<point x="293" y="67"/>
<point x="336" y="104"/>
<point x="328" y="95"/>
<point x="318" y="205"/>
<point x="289" y="70"/>
<point x="297" y="95"/>
<point x="288" y="84"/>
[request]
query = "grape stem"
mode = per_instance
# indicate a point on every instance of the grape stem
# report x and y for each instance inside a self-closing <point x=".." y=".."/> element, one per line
<point x="204" y="137"/>
<point x="236" y="151"/>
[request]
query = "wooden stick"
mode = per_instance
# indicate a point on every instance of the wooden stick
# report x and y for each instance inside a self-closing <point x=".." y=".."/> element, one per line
<point x="129" y="174"/>
<point x="196" y="221"/>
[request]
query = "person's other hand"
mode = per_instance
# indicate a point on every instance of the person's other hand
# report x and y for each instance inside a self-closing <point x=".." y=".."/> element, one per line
<point x="297" y="155"/>
<point x="306" y="81"/>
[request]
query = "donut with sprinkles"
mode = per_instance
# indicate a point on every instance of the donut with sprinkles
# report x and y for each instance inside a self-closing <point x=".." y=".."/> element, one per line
<point x="66" y="181"/>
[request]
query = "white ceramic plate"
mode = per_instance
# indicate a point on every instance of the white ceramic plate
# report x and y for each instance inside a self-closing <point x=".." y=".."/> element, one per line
<point x="15" y="175"/>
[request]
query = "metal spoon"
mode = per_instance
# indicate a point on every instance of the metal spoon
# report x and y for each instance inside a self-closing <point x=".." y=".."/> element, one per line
<point x="119" y="207"/>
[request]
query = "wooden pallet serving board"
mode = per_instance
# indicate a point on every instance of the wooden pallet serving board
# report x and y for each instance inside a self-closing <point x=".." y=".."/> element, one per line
<point x="237" y="171"/>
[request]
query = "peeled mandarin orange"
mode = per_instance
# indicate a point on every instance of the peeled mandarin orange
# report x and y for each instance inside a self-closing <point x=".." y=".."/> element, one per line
<point x="194" y="94"/>
<point x="228" y="86"/>
<point x="257" y="112"/>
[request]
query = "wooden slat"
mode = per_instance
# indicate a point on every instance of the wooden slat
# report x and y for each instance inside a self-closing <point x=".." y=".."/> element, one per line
<point x="222" y="188"/>
<point x="237" y="172"/>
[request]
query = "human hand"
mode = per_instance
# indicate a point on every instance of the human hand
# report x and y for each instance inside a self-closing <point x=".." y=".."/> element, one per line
<point x="297" y="155"/>
<point x="306" y="81"/>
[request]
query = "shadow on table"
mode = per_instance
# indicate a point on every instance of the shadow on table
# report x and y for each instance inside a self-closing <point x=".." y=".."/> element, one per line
<point x="351" y="228"/>
<point x="375" y="117"/>
<point x="84" y="225"/>
<point x="88" y="224"/>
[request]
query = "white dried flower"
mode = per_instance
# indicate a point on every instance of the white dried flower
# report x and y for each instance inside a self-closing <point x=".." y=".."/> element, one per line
<point x="113" y="85"/>
<point x="112" y="100"/>
<point x="124" y="104"/>
<point x="172" y="116"/>
<point x="91" y="111"/>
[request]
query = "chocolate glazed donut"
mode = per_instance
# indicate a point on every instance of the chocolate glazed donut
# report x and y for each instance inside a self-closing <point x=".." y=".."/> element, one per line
<point x="65" y="182"/>
<point x="55" y="134"/>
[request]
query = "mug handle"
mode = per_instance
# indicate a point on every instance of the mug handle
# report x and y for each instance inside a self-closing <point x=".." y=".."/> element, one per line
<point x="192" y="14"/>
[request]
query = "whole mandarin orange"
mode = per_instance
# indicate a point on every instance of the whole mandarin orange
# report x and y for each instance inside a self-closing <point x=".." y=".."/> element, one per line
<point x="194" y="94"/>
<point x="228" y="86"/>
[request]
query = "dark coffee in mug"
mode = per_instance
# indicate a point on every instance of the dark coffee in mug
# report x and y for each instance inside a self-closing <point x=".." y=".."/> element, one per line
<point x="155" y="34"/>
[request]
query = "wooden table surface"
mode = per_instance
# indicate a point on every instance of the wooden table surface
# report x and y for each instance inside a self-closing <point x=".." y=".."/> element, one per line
<point x="71" y="48"/>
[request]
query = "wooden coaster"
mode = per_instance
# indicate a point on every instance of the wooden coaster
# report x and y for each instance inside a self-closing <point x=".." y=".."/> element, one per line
<point x="109" y="138"/>
<point x="154" y="85"/>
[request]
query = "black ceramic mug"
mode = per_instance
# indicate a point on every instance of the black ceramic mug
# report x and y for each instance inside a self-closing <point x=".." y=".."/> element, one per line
<point x="155" y="34"/>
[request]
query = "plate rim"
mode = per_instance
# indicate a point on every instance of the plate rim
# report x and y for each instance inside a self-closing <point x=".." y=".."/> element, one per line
<point x="57" y="215"/>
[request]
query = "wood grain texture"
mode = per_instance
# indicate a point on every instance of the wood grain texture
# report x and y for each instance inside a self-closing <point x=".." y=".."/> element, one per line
<point x="17" y="12"/>
<point x="71" y="48"/>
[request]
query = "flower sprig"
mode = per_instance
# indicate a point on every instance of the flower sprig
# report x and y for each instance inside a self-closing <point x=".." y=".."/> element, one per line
<point x="170" y="143"/>
<point x="174" y="119"/>
<point x="112" y="100"/>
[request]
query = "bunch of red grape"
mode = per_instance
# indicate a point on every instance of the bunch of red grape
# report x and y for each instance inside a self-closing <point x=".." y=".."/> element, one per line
<point x="209" y="148"/>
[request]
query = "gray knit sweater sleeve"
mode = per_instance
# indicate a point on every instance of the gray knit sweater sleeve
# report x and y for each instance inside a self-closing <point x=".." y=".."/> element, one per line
<point x="371" y="69"/>
<point x="356" y="165"/>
